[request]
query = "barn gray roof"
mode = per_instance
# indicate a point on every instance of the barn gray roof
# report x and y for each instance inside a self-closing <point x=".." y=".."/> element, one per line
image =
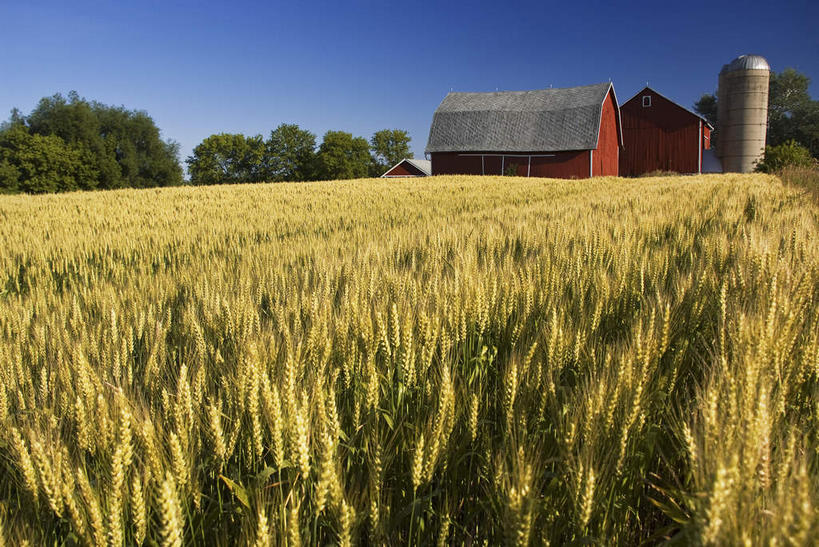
<point x="545" y="120"/>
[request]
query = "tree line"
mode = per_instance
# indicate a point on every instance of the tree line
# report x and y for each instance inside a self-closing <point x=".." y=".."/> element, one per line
<point x="290" y="154"/>
<point x="70" y="143"/>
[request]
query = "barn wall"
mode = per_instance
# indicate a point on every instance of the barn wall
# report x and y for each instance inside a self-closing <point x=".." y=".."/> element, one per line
<point x="605" y="160"/>
<point x="706" y="137"/>
<point x="404" y="169"/>
<point x="450" y="163"/>
<point x="663" y="136"/>
<point x="563" y="165"/>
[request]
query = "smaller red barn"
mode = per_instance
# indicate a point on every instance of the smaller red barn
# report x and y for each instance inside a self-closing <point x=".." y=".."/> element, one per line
<point x="659" y="134"/>
<point x="409" y="167"/>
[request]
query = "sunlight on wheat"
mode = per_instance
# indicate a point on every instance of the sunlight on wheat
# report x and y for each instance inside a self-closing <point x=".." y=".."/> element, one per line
<point x="449" y="360"/>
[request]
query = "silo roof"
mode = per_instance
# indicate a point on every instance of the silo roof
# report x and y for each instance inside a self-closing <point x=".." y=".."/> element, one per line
<point x="747" y="62"/>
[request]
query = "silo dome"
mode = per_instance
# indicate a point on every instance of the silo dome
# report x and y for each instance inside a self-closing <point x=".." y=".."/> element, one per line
<point x="742" y="112"/>
<point x="747" y="62"/>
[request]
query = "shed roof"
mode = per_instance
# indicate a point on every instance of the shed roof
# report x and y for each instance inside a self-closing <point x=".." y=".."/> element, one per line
<point x="425" y="166"/>
<point x="548" y="120"/>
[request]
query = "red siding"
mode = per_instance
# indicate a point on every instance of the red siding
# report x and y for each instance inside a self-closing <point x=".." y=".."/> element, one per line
<point x="662" y="136"/>
<point x="563" y="165"/>
<point x="575" y="164"/>
<point x="605" y="161"/>
<point x="706" y="137"/>
<point x="404" y="169"/>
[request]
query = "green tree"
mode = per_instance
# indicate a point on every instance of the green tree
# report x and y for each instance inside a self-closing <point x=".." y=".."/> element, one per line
<point x="290" y="154"/>
<point x="389" y="146"/>
<point x="133" y="140"/>
<point x="43" y="163"/>
<point x="787" y="154"/>
<point x="227" y="158"/>
<point x="73" y="120"/>
<point x="121" y="148"/>
<point x="792" y="114"/>
<point x="707" y="108"/>
<point x="342" y="156"/>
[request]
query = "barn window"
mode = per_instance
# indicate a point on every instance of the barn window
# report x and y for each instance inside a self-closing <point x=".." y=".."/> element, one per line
<point x="646" y="100"/>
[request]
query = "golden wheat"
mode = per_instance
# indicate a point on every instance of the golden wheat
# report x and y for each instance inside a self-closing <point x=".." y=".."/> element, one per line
<point x="450" y="360"/>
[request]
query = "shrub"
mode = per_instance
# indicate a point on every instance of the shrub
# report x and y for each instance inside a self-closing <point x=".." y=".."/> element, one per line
<point x="787" y="154"/>
<point x="511" y="170"/>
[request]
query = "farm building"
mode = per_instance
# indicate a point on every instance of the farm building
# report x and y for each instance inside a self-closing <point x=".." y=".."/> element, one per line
<point x="563" y="133"/>
<point x="409" y="167"/>
<point x="659" y="134"/>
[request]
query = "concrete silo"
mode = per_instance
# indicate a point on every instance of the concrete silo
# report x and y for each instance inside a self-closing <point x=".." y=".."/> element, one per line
<point x="742" y="112"/>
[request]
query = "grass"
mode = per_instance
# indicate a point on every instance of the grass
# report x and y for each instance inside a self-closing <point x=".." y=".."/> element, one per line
<point x="806" y="178"/>
<point x="453" y="360"/>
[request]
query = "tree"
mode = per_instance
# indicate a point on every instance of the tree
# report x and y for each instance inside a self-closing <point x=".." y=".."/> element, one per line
<point x="787" y="154"/>
<point x="792" y="114"/>
<point x="132" y="139"/>
<point x="707" y="108"/>
<point x="227" y="158"/>
<point x="119" y="147"/>
<point x="290" y="154"/>
<point x="43" y="163"/>
<point x="342" y="156"/>
<point x="389" y="146"/>
<point x="74" y="121"/>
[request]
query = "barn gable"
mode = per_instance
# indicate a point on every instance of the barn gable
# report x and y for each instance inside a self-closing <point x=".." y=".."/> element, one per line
<point x="656" y="96"/>
<point x="409" y="167"/>
<point x="661" y="135"/>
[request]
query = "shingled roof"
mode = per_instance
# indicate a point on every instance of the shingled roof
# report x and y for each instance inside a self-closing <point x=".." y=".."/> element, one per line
<point x="548" y="120"/>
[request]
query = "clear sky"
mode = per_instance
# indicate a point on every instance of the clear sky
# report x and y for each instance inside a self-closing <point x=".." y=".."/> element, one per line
<point x="203" y="67"/>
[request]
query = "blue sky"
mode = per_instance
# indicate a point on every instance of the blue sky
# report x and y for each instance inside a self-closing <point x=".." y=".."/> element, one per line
<point x="200" y="68"/>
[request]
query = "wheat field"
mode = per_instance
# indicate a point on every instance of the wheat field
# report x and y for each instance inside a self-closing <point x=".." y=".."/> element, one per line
<point x="451" y="361"/>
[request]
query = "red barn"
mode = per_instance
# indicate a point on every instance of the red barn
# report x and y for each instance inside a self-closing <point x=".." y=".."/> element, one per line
<point x="409" y="167"/>
<point x="661" y="135"/>
<point x="563" y="133"/>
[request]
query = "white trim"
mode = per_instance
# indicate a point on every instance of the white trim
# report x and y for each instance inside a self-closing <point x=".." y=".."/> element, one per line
<point x="483" y="166"/>
<point x="529" y="168"/>
<point x="514" y="155"/>
<point x="644" y="101"/>
<point x="503" y="160"/>
<point x="699" y="151"/>
<point x="591" y="164"/>
<point x="620" y="141"/>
